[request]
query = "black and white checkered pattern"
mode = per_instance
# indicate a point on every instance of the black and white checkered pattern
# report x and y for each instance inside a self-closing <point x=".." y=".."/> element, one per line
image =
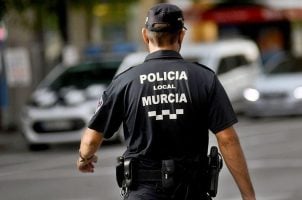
<point x="166" y="112"/>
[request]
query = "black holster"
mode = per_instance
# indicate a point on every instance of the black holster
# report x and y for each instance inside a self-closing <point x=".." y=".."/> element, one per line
<point x="214" y="166"/>
<point x="125" y="172"/>
<point x="120" y="171"/>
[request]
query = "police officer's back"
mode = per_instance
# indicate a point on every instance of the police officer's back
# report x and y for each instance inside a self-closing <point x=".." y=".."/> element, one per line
<point x="167" y="105"/>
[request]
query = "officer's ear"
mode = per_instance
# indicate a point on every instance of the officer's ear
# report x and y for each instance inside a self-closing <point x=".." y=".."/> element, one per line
<point x="145" y="36"/>
<point x="181" y="36"/>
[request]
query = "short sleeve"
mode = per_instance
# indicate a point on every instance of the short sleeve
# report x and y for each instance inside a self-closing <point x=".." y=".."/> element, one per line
<point x="108" y="117"/>
<point x="220" y="113"/>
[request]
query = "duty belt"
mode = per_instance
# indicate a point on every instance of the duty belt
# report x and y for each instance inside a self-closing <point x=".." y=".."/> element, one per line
<point x="148" y="175"/>
<point x="204" y="173"/>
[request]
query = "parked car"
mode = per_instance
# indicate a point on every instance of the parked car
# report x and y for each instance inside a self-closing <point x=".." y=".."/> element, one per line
<point x="278" y="91"/>
<point x="236" y="62"/>
<point x="62" y="105"/>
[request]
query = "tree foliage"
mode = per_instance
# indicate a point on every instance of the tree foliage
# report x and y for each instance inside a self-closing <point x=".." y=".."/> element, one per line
<point x="54" y="12"/>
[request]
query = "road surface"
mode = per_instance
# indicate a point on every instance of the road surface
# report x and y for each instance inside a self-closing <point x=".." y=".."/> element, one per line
<point x="272" y="147"/>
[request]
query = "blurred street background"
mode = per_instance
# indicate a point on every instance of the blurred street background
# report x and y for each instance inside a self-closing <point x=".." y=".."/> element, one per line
<point x="272" y="146"/>
<point x="37" y="37"/>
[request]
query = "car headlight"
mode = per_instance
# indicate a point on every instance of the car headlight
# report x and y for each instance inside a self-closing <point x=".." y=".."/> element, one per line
<point x="44" y="97"/>
<point x="251" y="94"/>
<point x="74" y="97"/>
<point x="95" y="91"/>
<point x="298" y="93"/>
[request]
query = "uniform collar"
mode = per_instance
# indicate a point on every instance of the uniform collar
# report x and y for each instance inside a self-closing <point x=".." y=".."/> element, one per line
<point x="163" y="54"/>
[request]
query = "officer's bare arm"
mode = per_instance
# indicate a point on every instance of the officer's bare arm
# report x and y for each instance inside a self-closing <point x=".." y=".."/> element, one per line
<point x="90" y="143"/>
<point x="233" y="155"/>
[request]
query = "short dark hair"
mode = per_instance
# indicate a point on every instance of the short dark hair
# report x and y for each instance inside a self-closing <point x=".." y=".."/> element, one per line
<point x="163" y="38"/>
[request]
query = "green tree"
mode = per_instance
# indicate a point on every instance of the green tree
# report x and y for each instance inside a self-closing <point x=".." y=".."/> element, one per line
<point x="2" y="8"/>
<point x="52" y="15"/>
<point x="54" y="12"/>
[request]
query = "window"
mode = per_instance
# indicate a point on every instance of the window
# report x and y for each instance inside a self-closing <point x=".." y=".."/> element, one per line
<point x="83" y="75"/>
<point x="288" y="65"/>
<point x="231" y="62"/>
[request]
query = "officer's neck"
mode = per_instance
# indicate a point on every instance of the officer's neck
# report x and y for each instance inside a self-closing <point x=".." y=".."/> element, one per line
<point x="173" y="47"/>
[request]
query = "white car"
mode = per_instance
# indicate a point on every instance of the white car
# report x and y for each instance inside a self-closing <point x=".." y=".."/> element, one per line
<point x="236" y="62"/>
<point x="278" y="91"/>
<point x="62" y="105"/>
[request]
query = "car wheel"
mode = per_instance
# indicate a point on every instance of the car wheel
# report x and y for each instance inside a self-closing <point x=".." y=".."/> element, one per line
<point x="38" y="147"/>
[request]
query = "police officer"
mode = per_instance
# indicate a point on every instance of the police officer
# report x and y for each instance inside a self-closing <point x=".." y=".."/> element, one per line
<point x="167" y="106"/>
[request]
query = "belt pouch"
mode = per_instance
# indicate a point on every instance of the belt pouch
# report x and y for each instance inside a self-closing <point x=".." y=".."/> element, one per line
<point x="168" y="173"/>
<point x="128" y="172"/>
<point x="120" y="171"/>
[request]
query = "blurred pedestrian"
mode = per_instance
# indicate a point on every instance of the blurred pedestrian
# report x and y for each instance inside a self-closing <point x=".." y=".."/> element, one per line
<point x="167" y="106"/>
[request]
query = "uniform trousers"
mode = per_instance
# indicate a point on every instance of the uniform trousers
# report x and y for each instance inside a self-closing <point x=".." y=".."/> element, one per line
<point x="147" y="191"/>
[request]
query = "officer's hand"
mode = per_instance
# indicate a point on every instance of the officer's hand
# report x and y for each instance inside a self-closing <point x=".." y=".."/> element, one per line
<point x="86" y="165"/>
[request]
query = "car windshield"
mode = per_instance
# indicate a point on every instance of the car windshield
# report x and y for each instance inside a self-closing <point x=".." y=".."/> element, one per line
<point x="86" y="74"/>
<point x="288" y="65"/>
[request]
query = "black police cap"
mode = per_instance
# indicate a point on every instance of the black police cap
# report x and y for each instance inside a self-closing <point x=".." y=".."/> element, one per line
<point x="169" y="18"/>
